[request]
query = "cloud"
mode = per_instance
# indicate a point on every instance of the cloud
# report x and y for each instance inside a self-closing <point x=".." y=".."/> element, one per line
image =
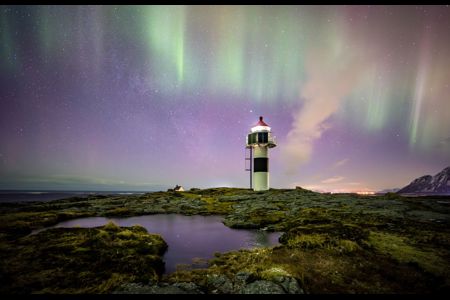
<point x="340" y="163"/>
<point x="445" y="141"/>
<point x="333" y="179"/>
<point x="74" y="179"/>
<point x="63" y="181"/>
<point x="443" y="144"/>
<point x="332" y="75"/>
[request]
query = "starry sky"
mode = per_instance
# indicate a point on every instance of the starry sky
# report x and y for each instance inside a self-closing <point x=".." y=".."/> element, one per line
<point x="146" y="97"/>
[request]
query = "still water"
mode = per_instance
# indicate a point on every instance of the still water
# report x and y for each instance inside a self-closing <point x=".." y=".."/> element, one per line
<point x="188" y="237"/>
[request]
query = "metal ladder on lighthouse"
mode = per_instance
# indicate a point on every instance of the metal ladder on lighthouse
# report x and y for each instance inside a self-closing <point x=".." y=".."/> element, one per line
<point x="249" y="158"/>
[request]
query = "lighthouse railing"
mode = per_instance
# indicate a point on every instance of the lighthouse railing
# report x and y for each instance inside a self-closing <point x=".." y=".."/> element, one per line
<point x="272" y="139"/>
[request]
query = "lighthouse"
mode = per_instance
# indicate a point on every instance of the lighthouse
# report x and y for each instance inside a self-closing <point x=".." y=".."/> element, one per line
<point x="259" y="140"/>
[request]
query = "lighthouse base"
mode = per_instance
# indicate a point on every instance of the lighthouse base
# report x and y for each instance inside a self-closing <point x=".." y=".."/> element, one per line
<point x="260" y="181"/>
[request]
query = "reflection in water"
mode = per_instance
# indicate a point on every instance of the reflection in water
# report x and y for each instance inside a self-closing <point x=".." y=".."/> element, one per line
<point x="191" y="239"/>
<point x="261" y="238"/>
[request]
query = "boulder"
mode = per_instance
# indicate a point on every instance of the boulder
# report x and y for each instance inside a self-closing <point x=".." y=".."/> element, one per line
<point x="188" y="287"/>
<point x="242" y="278"/>
<point x="289" y="284"/>
<point x="262" y="287"/>
<point x="219" y="283"/>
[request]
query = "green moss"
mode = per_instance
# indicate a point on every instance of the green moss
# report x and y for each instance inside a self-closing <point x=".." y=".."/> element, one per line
<point x="111" y="226"/>
<point x="273" y="272"/>
<point x="341" y="237"/>
<point x="80" y="260"/>
<point x="347" y="246"/>
<point x="398" y="248"/>
<point x="191" y="195"/>
<point x="394" y="196"/>
<point x="118" y="212"/>
<point x="309" y="241"/>
<point x="263" y="217"/>
<point x="126" y="234"/>
<point x="216" y="207"/>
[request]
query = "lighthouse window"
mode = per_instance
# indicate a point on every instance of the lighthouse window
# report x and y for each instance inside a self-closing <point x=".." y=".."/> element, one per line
<point x="252" y="138"/>
<point x="262" y="137"/>
<point x="261" y="164"/>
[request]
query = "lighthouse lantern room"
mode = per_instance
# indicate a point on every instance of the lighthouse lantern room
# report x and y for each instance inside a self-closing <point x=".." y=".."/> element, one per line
<point x="259" y="140"/>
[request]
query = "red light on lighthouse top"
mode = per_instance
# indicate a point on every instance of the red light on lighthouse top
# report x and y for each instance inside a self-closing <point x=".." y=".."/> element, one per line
<point x="261" y="126"/>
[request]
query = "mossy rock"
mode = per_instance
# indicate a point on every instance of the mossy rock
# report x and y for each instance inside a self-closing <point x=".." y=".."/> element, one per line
<point x="82" y="260"/>
<point x="402" y="250"/>
<point x="118" y="212"/>
<point x="336" y="231"/>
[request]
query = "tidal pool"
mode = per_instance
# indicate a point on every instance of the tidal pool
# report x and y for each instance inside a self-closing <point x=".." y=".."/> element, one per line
<point x="191" y="239"/>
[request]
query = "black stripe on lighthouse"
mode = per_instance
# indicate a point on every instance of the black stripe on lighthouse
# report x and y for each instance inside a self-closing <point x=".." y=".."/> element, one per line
<point x="261" y="164"/>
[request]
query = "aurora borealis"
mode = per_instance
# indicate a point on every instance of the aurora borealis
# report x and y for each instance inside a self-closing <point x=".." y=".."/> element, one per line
<point x="146" y="97"/>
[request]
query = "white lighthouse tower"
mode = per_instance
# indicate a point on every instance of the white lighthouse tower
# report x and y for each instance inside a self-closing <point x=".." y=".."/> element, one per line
<point x="259" y="140"/>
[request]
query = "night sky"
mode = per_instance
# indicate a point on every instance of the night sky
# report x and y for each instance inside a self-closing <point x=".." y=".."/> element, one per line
<point x="146" y="97"/>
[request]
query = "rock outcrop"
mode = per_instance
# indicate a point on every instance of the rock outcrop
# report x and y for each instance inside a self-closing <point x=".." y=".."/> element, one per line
<point x="243" y="283"/>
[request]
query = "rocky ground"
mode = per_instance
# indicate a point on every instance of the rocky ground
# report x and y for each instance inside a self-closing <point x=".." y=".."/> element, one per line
<point x="339" y="243"/>
<point x="81" y="260"/>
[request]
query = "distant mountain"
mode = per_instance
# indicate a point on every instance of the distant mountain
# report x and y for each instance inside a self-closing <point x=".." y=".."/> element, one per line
<point x="437" y="184"/>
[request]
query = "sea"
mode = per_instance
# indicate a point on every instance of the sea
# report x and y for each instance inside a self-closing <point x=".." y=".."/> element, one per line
<point x="12" y="196"/>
